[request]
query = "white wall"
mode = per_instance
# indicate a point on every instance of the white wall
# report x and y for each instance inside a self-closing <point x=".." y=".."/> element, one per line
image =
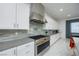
<point x="51" y="23"/>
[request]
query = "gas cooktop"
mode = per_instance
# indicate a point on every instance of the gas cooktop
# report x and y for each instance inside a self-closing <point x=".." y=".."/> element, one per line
<point x="37" y="37"/>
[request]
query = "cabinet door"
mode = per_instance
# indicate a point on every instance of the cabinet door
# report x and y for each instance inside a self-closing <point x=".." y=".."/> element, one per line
<point x="7" y="15"/>
<point x="52" y="40"/>
<point x="26" y="49"/>
<point x="23" y="11"/>
<point x="9" y="52"/>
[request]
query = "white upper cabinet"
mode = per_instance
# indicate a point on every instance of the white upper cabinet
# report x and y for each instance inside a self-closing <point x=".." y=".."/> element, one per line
<point x="14" y="16"/>
<point x="7" y="15"/>
<point x="23" y="12"/>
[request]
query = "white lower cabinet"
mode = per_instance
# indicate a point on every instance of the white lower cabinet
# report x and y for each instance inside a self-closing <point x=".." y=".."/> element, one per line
<point x="23" y="50"/>
<point x="54" y="38"/>
<point x="9" y="52"/>
<point x="26" y="49"/>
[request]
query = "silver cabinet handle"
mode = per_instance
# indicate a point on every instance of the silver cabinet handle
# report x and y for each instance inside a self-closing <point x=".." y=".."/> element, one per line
<point x="15" y="53"/>
<point x="17" y="25"/>
<point x="14" y="25"/>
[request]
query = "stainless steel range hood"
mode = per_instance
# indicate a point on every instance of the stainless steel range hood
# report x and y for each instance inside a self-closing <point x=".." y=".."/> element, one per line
<point x="37" y="13"/>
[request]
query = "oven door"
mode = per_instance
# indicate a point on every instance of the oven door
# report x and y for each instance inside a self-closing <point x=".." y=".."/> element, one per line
<point x="43" y="46"/>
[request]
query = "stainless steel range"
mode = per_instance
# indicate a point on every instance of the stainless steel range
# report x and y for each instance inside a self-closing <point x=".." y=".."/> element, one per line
<point x="42" y="44"/>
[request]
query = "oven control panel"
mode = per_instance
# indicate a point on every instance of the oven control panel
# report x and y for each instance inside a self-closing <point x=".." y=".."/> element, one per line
<point x="41" y="40"/>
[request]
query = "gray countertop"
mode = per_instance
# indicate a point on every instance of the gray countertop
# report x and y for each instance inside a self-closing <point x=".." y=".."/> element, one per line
<point x="16" y="41"/>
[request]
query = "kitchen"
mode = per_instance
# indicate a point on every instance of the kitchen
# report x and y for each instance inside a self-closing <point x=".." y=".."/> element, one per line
<point x="28" y="29"/>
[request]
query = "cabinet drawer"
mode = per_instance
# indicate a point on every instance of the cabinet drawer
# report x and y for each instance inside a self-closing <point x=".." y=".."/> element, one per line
<point x="27" y="46"/>
<point x="53" y="39"/>
<point x="51" y="42"/>
<point x="9" y="52"/>
<point x="29" y="53"/>
<point x="25" y="53"/>
<point x="26" y="49"/>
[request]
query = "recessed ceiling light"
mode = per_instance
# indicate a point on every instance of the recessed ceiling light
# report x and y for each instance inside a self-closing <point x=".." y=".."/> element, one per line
<point x="61" y="9"/>
<point x="68" y="15"/>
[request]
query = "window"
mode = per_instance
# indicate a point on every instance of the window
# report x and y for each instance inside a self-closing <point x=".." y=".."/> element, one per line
<point x="74" y="27"/>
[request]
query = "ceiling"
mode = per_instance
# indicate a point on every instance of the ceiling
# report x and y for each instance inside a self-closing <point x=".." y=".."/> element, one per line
<point x="60" y="11"/>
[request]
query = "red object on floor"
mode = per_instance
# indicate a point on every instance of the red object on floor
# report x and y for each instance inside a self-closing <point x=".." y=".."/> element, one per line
<point x="72" y="42"/>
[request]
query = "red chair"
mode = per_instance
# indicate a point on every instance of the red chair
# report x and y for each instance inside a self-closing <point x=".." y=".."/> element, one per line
<point x="72" y="42"/>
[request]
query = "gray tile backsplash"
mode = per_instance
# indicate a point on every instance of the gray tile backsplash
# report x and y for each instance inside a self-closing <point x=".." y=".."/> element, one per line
<point x="36" y="28"/>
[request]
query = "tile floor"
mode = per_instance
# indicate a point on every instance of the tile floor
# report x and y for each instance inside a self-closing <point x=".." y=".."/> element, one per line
<point x="60" y="48"/>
